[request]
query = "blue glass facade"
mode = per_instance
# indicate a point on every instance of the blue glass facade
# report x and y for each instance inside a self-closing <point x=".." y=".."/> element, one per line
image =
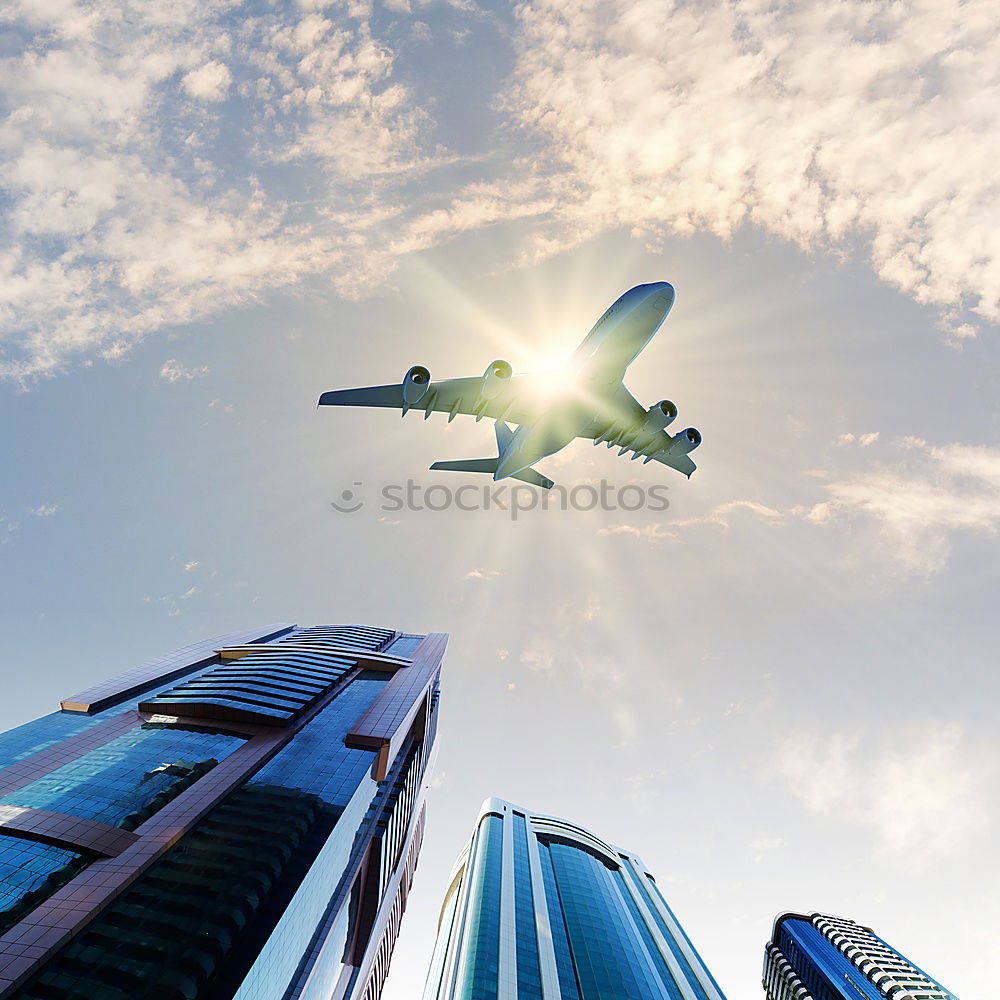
<point x="264" y="887"/>
<point x="610" y="962"/>
<point x="832" y="958"/>
<point x="667" y="981"/>
<point x="480" y="981"/>
<point x="123" y="782"/>
<point x="569" y="988"/>
<point x="674" y="934"/>
<point x="30" y="872"/>
<point x="529" y="973"/>
<point x="40" y="734"/>
<point x="316" y="762"/>
<point x="564" y="916"/>
<point x="827" y="971"/>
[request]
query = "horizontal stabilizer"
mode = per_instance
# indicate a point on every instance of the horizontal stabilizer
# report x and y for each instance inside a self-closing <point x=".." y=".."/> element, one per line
<point x="468" y="465"/>
<point x="535" y="478"/>
<point x="489" y="466"/>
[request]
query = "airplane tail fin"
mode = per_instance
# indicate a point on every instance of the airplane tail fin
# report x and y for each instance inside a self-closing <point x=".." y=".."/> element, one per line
<point x="504" y="434"/>
<point x="489" y="465"/>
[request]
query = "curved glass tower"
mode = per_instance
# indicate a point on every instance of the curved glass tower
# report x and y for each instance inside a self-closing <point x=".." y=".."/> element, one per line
<point x="541" y="909"/>
<point x="237" y="820"/>
<point x="823" y="957"/>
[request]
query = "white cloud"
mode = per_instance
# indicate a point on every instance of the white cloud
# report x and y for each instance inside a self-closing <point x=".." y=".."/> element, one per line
<point x="722" y="514"/>
<point x="190" y="566"/>
<point x="865" y="440"/>
<point x="209" y="82"/>
<point x="125" y="214"/>
<point x="44" y="510"/>
<point x="482" y="574"/>
<point x="924" y="784"/>
<point x="539" y="654"/>
<point x="673" y="118"/>
<point x="918" y="502"/>
<point x="174" y="371"/>
<point x="7" y="528"/>
<point x="649" y="532"/>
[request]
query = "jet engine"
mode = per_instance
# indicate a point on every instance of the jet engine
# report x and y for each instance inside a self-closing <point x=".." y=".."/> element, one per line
<point x="685" y="442"/>
<point x="496" y="376"/>
<point x="415" y="384"/>
<point x="660" y="415"/>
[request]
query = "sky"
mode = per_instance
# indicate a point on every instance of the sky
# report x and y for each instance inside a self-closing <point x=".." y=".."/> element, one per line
<point x="778" y="690"/>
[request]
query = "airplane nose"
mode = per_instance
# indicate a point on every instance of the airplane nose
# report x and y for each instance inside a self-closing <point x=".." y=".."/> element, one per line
<point x="664" y="297"/>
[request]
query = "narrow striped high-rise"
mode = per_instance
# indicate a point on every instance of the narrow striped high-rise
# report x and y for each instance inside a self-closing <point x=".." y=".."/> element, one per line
<point x="541" y="909"/>
<point x="822" y="957"/>
<point x="237" y="820"/>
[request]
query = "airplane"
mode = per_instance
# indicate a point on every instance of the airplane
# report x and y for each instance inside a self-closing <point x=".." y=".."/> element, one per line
<point x="591" y="401"/>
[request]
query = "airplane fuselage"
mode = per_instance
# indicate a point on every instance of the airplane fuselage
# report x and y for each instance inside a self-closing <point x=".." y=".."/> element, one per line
<point x="599" y="365"/>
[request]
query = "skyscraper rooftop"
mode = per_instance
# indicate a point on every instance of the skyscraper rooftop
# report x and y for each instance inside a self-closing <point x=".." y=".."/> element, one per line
<point x="239" y="818"/>
<point x="823" y="957"/>
<point x="538" y="908"/>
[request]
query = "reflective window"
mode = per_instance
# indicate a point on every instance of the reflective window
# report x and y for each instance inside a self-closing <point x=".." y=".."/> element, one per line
<point x="40" y="734"/>
<point x="126" y="780"/>
<point x="316" y="761"/>
<point x="405" y="645"/>
<point x="670" y="986"/>
<point x="529" y="976"/>
<point x="568" y="986"/>
<point x="646" y="889"/>
<point x="610" y="961"/>
<point x="482" y="949"/>
<point x="29" y="873"/>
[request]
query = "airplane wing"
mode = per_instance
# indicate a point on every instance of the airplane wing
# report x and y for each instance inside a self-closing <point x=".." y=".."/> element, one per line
<point x="682" y="463"/>
<point x="621" y="432"/>
<point x="512" y="403"/>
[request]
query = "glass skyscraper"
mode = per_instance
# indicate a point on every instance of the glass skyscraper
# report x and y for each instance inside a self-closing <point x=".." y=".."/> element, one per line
<point x="822" y="957"/>
<point x="541" y="909"/>
<point x="238" y="819"/>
